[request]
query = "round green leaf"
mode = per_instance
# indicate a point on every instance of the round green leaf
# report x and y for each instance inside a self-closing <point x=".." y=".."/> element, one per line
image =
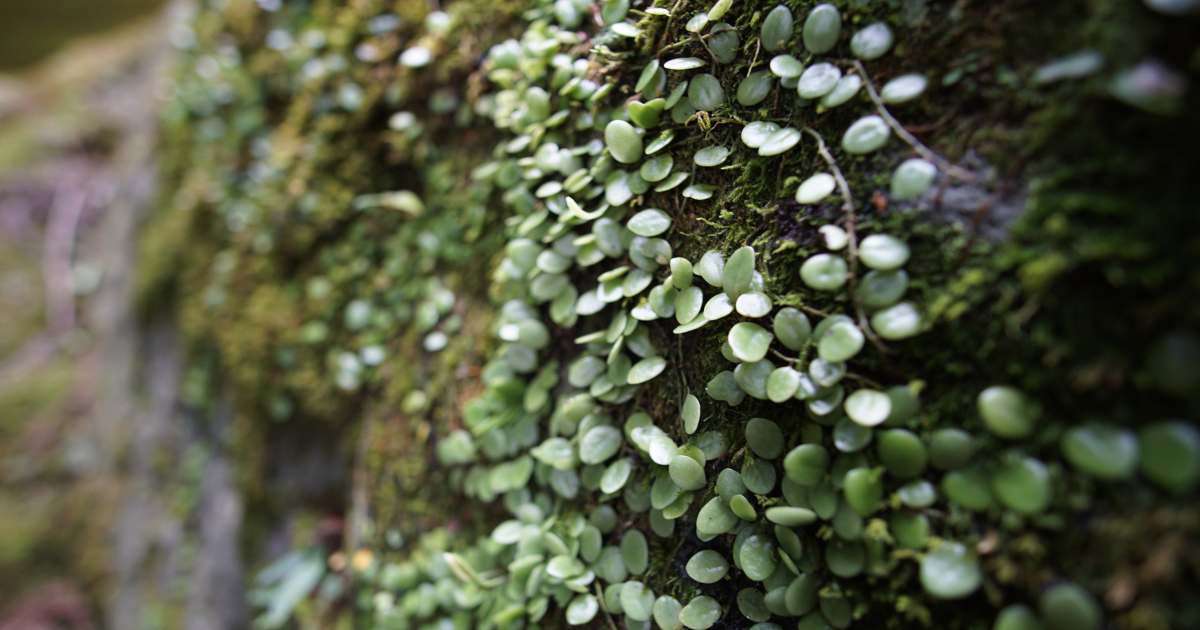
<point x="968" y="488"/>
<point x="751" y="605"/>
<point x="765" y="438"/>
<point x="1171" y="454"/>
<point x="791" y="516"/>
<point x="687" y="473"/>
<point x="715" y="518"/>
<point x="724" y="387"/>
<point x="646" y="369"/>
<point x="824" y="272"/>
<point x="1023" y="486"/>
<point x="690" y="414"/>
<point x="637" y="600"/>
<point x="656" y="170"/>
<point x="684" y="63"/>
<point x="818" y="80"/>
<point x="801" y="594"/>
<point x="786" y="66"/>
<point x="1007" y="412"/>
<point x="783" y="383"/>
<point x="700" y="613"/>
<point x="840" y="342"/>
<point x="666" y="612"/>
<point x="599" y="444"/>
<point x="776" y="28"/>
<point x="912" y="177"/>
<point x="1070" y="607"/>
<point x="951" y="571"/>
<point x="623" y="141"/>
<point x="846" y="88"/>
<point x="718" y="306"/>
<point x="723" y="42"/>
<point x="753" y="304"/>
<point x="635" y="552"/>
<point x="917" y="494"/>
<point x="815" y="188"/>
<point x="881" y="251"/>
<point x="872" y="41"/>
<point x="897" y="322"/>
<point x="758" y="557"/>
<point x="845" y="558"/>
<point x="881" y="289"/>
<point x="756" y="133"/>
<point x="616" y="475"/>
<point x="759" y="476"/>
<point x="864" y="490"/>
<point x="902" y="453"/>
<point x="582" y="609"/>
<point x="738" y="272"/>
<point x="707" y="567"/>
<point x="705" y="93"/>
<point x="1101" y="450"/>
<point x="822" y="29"/>
<point x="711" y="156"/>
<point x="865" y="135"/>
<point x="780" y="141"/>
<point x="740" y="505"/>
<point x="649" y="222"/>
<point x="712" y="268"/>
<point x="951" y="449"/>
<point x="755" y="88"/>
<point x="910" y="528"/>
<point x="806" y="464"/>
<point x="903" y="88"/>
<point x="868" y="407"/>
<point x="792" y="328"/>
<point x="851" y="437"/>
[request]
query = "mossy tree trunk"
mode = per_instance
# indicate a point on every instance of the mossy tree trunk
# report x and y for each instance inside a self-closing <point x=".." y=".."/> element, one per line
<point x="354" y="328"/>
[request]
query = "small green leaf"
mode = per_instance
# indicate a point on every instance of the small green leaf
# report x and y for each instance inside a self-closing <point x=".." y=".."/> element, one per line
<point x="705" y="93"/>
<point x="871" y="41"/>
<point x="749" y="341"/>
<point x="951" y="571"/>
<point x="624" y="143"/>
<point x="822" y="29"/>
<point x="684" y="63"/>
<point x="756" y="133"/>
<point x="776" y="28"/>
<point x="780" y="141"/>
<point x="868" y="407"/>
<point x="903" y="88"/>
<point x="646" y="369"/>
<point x="707" y="566"/>
<point x="738" y="272"/>
<point x="755" y="88"/>
<point x="711" y="156"/>
<point x="818" y="80"/>
<point x="649" y="222"/>
<point x="786" y="66"/>
<point x="866" y="135"/>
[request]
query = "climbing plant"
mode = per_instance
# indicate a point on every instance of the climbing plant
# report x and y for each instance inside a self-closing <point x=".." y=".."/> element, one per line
<point x="676" y="305"/>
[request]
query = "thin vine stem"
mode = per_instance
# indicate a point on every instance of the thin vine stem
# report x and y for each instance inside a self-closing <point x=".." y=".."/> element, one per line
<point x="667" y="27"/>
<point x="852" y="239"/>
<point x="922" y="150"/>
<point x="683" y="42"/>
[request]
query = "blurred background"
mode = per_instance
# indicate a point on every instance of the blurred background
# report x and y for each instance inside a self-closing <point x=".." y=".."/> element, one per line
<point x="72" y="81"/>
<point x="31" y="31"/>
